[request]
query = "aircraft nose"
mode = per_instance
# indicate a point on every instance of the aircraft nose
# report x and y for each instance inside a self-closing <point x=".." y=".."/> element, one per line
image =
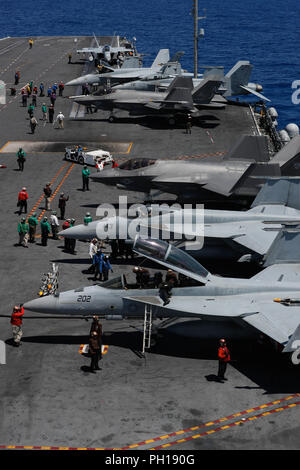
<point x="75" y="82"/>
<point x="80" y="232"/>
<point x="47" y="304"/>
<point x="103" y="175"/>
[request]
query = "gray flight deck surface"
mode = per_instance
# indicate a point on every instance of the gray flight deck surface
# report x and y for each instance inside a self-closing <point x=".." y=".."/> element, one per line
<point x="47" y="395"/>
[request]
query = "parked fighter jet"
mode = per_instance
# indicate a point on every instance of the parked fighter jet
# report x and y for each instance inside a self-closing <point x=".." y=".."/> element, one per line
<point x="235" y="82"/>
<point x="237" y="175"/>
<point x="108" y="51"/>
<point x="267" y="303"/>
<point x="179" y="99"/>
<point x="220" y="234"/>
<point x="123" y="75"/>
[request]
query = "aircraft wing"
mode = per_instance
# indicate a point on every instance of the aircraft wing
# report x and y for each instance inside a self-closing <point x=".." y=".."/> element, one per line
<point x="277" y="321"/>
<point x="223" y="183"/>
<point x="253" y="92"/>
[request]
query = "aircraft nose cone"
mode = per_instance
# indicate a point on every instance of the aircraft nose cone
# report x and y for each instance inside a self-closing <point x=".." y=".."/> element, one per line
<point x="103" y="175"/>
<point x="80" y="232"/>
<point x="47" y="304"/>
<point x="75" y="82"/>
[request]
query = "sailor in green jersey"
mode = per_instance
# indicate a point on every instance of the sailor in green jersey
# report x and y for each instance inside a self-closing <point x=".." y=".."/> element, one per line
<point x="32" y="222"/>
<point x="21" y="158"/>
<point x="85" y="178"/>
<point x="23" y="230"/>
<point x="45" y="229"/>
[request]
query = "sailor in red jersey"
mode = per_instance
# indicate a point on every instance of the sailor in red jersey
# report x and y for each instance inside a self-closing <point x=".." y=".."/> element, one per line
<point x="224" y="358"/>
<point x="16" y="323"/>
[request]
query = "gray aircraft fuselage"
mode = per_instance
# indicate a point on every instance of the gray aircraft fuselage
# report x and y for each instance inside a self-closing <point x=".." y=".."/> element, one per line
<point x="208" y="178"/>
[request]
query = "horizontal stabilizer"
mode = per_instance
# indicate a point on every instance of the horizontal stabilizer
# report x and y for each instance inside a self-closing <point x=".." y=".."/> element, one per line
<point x="265" y="325"/>
<point x="256" y="93"/>
<point x="285" y="248"/>
<point x="294" y="341"/>
<point x="283" y="191"/>
<point x="288" y="158"/>
<point x="279" y="273"/>
<point x="250" y="147"/>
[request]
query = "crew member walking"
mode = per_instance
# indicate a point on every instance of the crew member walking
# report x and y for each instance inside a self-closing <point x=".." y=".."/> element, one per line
<point x="32" y="222"/>
<point x="22" y="200"/>
<point x="47" y="195"/>
<point x="21" y="158"/>
<point x="60" y="120"/>
<point x="224" y="358"/>
<point x="16" y="323"/>
<point x="23" y="229"/>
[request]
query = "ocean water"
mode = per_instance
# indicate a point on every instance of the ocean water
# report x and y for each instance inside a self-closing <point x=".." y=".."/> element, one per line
<point x="265" y="32"/>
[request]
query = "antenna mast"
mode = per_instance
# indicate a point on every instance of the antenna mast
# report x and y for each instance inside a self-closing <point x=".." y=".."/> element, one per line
<point x="196" y="34"/>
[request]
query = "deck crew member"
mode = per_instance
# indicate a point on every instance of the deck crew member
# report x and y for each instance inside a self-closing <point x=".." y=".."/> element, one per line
<point x="45" y="229"/>
<point x="62" y="205"/>
<point x="21" y="158"/>
<point x="85" y="178"/>
<point x="23" y="229"/>
<point x="16" y="323"/>
<point x="22" y="200"/>
<point x="47" y="195"/>
<point x="54" y="225"/>
<point x="32" y="222"/>
<point x="224" y="358"/>
<point x="94" y="350"/>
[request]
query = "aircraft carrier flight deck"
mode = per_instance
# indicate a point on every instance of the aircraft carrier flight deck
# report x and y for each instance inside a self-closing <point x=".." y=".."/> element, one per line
<point x="48" y="398"/>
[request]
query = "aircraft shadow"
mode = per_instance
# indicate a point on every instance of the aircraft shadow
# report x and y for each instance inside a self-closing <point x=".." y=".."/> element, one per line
<point x="72" y="261"/>
<point x="269" y="370"/>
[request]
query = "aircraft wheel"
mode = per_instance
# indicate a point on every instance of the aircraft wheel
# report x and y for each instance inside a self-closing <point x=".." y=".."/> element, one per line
<point x="111" y="119"/>
<point x="81" y="160"/>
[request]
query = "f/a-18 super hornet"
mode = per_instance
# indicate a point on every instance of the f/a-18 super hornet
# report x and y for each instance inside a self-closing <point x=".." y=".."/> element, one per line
<point x="106" y="51"/>
<point x="267" y="304"/>
<point x="180" y="99"/>
<point x="207" y="234"/>
<point x="235" y="82"/>
<point x="235" y="176"/>
<point x="123" y="74"/>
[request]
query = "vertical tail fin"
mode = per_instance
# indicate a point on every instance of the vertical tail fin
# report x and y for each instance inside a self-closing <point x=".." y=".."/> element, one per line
<point x="238" y="76"/>
<point x="250" y="147"/>
<point x="162" y="57"/>
<point x="206" y="90"/>
<point x="180" y="89"/>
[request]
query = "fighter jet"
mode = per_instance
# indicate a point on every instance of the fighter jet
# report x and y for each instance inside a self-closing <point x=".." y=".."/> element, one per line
<point x="209" y="234"/>
<point x="235" y="82"/>
<point x="180" y="99"/>
<point x="237" y="175"/>
<point x="267" y="304"/>
<point x="108" y="51"/>
<point x="123" y="75"/>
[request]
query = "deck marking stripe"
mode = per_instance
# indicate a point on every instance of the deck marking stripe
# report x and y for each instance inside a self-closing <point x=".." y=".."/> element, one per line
<point x="179" y="441"/>
<point x="42" y="196"/>
<point x="210" y="423"/>
<point x="236" y="423"/>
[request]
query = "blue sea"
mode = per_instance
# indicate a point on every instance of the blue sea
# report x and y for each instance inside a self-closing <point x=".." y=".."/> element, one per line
<point x="265" y="32"/>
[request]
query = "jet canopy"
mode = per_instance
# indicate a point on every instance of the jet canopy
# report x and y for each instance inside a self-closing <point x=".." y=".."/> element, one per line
<point x="170" y="256"/>
<point x="136" y="164"/>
